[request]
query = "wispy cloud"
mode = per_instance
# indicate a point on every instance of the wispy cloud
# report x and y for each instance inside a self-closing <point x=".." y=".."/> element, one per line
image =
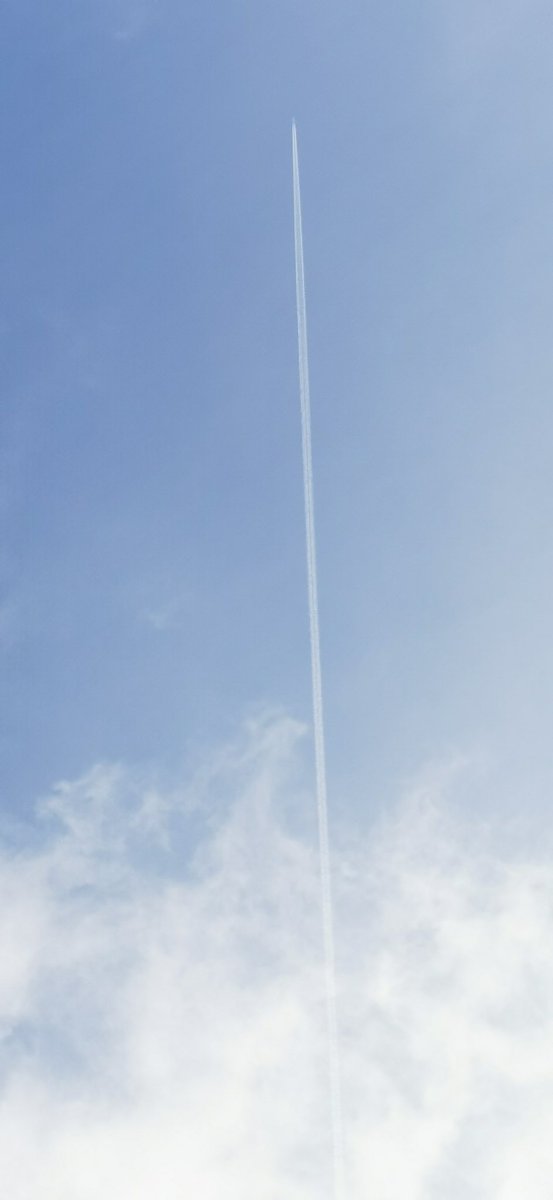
<point x="164" y="617"/>
<point x="134" y="18"/>
<point x="161" y="1015"/>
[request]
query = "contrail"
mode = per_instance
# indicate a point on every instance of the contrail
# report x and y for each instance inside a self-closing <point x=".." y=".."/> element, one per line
<point x="317" y="691"/>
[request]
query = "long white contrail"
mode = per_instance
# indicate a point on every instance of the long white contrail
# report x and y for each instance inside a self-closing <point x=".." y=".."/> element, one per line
<point x="318" y="723"/>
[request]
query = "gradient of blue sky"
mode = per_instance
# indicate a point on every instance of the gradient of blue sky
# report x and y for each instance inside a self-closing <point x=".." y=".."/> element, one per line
<point x="152" y="557"/>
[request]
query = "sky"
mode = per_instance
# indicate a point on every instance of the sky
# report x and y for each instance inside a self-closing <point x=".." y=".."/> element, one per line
<point x="155" y="743"/>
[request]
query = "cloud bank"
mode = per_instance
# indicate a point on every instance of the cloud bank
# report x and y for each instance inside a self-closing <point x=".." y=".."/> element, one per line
<point x="161" y="1015"/>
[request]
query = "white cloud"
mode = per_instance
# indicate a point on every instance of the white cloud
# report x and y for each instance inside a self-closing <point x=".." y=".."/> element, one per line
<point x="160" y="1013"/>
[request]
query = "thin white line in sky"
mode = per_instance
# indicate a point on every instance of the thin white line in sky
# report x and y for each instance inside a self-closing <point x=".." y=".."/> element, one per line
<point x="318" y="723"/>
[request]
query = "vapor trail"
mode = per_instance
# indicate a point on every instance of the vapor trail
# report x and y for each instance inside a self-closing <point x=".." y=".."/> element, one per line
<point x="317" y="694"/>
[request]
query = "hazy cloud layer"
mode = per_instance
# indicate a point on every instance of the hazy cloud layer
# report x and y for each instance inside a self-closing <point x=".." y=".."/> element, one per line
<point x="160" y="1013"/>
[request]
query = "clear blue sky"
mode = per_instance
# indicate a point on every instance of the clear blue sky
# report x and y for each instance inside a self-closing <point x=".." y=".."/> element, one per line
<point x="152" y="562"/>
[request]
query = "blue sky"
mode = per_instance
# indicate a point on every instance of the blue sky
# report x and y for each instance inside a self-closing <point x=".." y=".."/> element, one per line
<point x="152" y="564"/>
<point x="153" y="554"/>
